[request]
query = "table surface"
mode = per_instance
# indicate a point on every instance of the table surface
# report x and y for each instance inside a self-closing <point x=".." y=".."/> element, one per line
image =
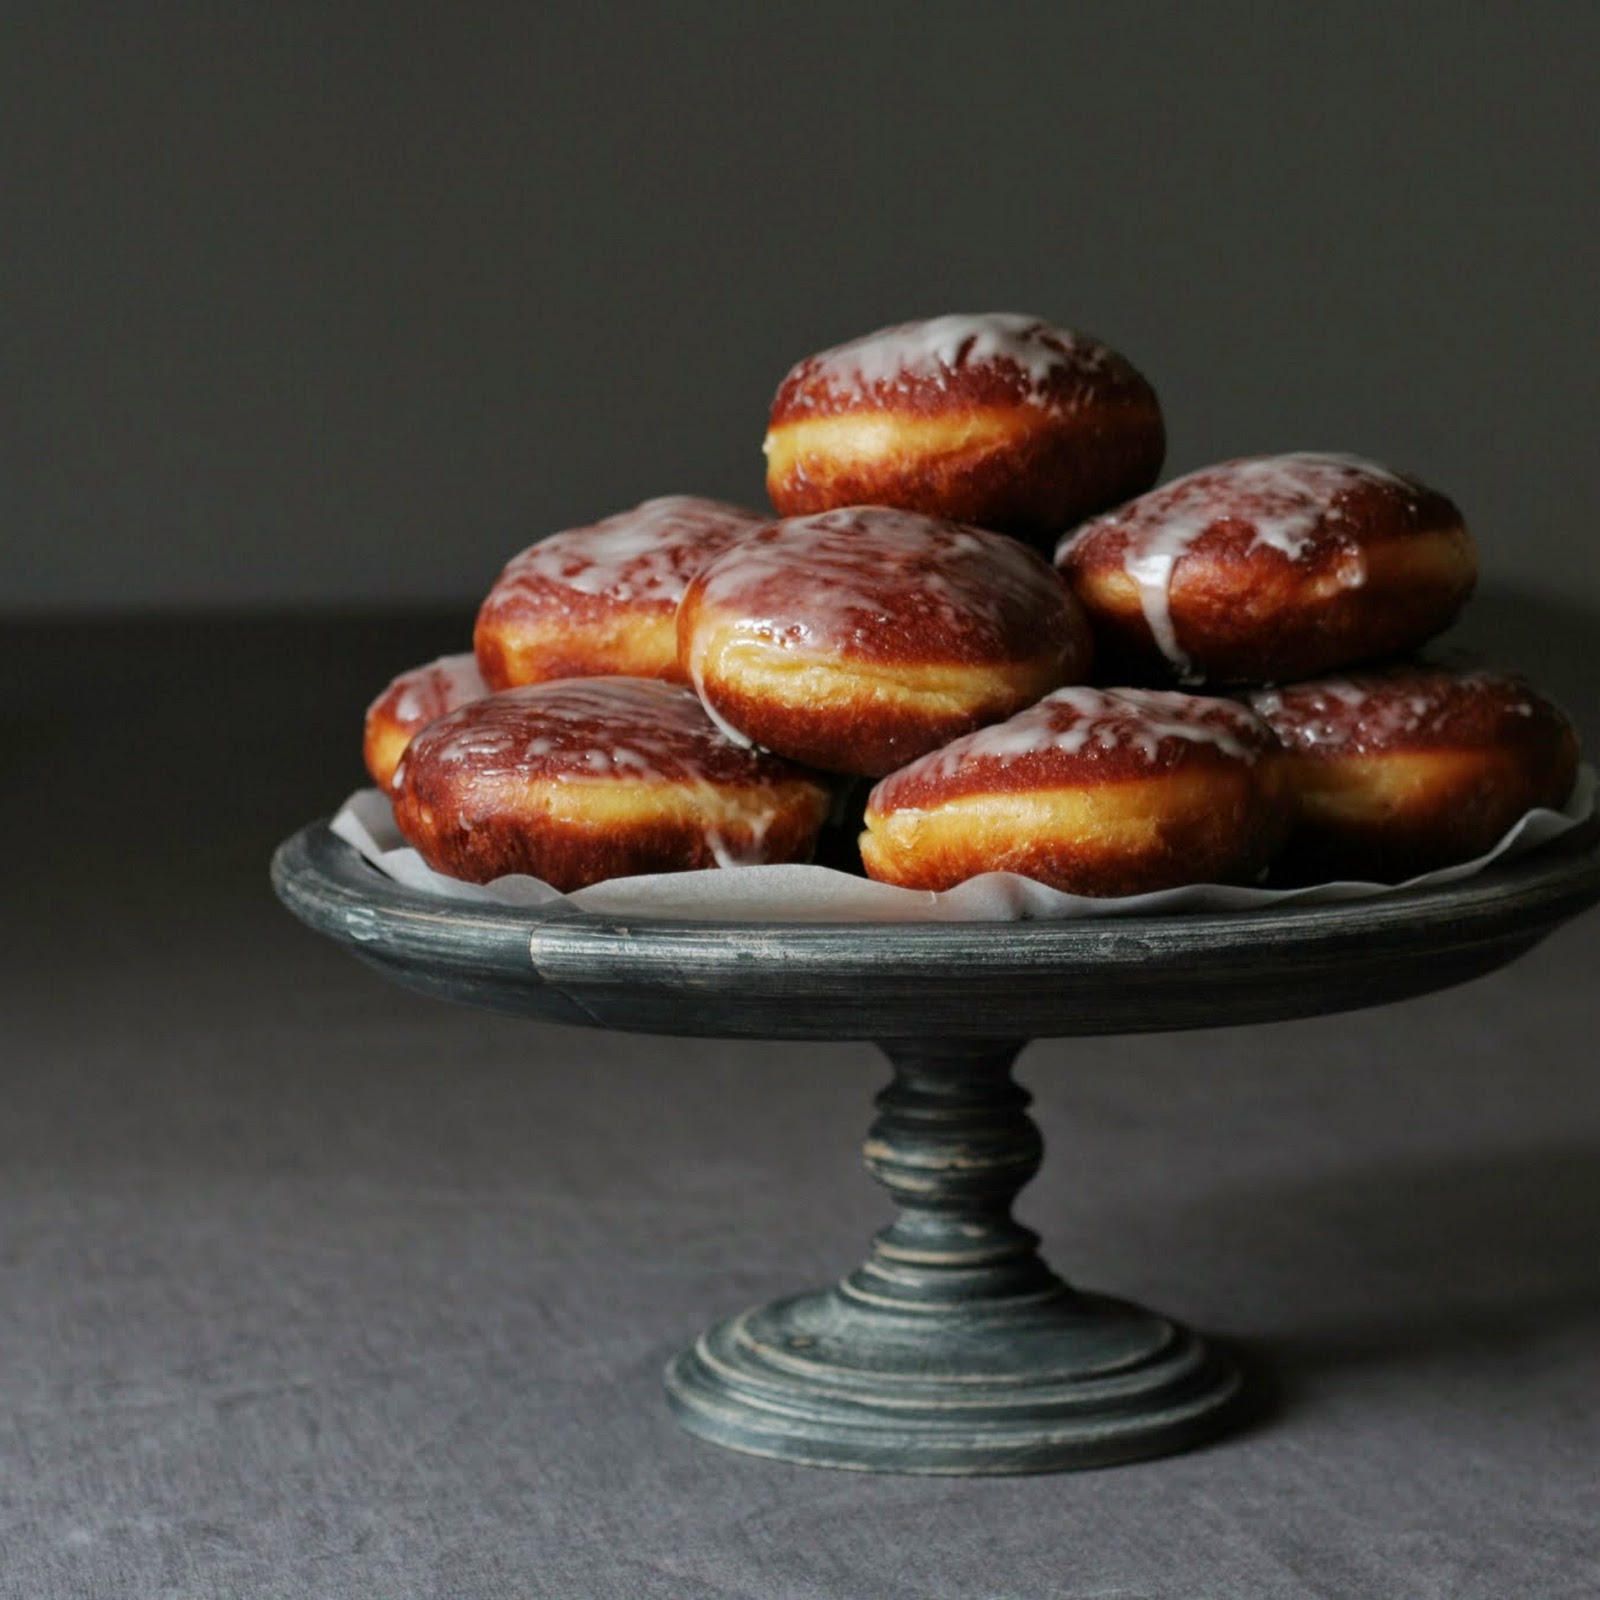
<point x="313" y="1287"/>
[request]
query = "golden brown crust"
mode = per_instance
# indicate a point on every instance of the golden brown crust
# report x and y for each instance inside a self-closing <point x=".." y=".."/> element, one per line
<point x="1016" y="470"/>
<point x="603" y="600"/>
<point x="411" y="701"/>
<point x="582" y="780"/>
<point x="1260" y="619"/>
<point x="1111" y="840"/>
<point x="861" y="638"/>
<point x="1095" y="792"/>
<point x="587" y="642"/>
<point x="1216" y="579"/>
<point x="1402" y="771"/>
<point x="382" y="747"/>
<point x="1003" y="422"/>
<point x="859" y="718"/>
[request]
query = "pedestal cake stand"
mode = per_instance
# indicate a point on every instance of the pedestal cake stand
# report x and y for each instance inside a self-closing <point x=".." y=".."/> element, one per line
<point x="953" y="1348"/>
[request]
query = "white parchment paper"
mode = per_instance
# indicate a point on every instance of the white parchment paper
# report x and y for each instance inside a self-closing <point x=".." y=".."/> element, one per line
<point x="821" y="894"/>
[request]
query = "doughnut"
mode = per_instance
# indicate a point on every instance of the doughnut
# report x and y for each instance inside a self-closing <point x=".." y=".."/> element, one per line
<point x="602" y="600"/>
<point x="1096" y="791"/>
<point x="998" y="420"/>
<point x="1268" y="569"/>
<point x="583" y="779"/>
<point x="1399" y="771"/>
<point x="410" y="703"/>
<point x="859" y="639"/>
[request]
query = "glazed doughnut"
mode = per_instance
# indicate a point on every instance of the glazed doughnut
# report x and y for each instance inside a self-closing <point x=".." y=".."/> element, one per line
<point x="862" y="638"/>
<point x="603" y="600"/>
<point x="1096" y="791"/>
<point x="590" y="778"/>
<point x="998" y="420"/>
<point x="1270" y="568"/>
<point x="1400" y="771"/>
<point x="410" y="703"/>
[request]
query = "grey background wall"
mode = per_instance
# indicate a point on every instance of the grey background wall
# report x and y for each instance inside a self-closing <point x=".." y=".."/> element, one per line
<point x="313" y="304"/>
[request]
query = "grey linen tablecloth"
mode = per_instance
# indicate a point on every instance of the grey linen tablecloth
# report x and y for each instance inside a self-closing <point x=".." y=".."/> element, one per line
<point x="310" y="1287"/>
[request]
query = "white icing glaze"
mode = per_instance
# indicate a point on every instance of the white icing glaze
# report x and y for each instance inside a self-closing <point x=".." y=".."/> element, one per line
<point x="1286" y="500"/>
<point x="648" y="554"/>
<point x="936" y="348"/>
<point x="1077" y="718"/>
<point x="1337" y="692"/>
<point x="820" y="582"/>
<point x="641" y="727"/>
<point x="1373" y="710"/>
<point x="430" y="691"/>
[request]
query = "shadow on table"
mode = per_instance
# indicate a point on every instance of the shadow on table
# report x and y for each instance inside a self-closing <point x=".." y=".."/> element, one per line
<point x="1406" y="1266"/>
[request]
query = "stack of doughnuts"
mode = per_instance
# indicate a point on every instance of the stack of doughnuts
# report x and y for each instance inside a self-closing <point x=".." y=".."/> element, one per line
<point x="1211" y="683"/>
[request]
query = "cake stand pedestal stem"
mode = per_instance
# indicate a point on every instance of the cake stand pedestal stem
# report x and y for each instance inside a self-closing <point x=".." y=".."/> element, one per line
<point x="953" y="1144"/>
<point x="953" y="1348"/>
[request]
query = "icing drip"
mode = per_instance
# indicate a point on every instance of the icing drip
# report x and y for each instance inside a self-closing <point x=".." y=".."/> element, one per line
<point x="1288" y="502"/>
<point x="723" y="726"/>
<point x="648" y="554"/>
<point x="750" y="853"/>
<point x="937" y="348"/>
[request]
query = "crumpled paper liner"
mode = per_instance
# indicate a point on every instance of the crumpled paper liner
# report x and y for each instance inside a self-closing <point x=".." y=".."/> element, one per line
<point x="822" y="894"/>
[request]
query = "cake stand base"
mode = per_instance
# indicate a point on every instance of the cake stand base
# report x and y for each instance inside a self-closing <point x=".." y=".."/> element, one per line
<point x="1084" y="1382"/>
<point x="953" y="1348"/>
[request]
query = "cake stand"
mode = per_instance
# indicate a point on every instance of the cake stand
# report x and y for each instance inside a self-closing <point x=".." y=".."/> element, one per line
<point x="953" y="1348"/>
